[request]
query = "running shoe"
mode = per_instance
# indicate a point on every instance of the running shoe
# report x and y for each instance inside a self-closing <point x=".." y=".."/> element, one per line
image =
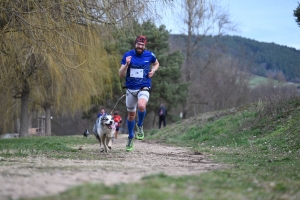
<point x="129" y="146"/>
<point x="140" y="133"/>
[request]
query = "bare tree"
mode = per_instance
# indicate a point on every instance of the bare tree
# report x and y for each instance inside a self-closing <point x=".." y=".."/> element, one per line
<point x="224" y="84"/>
<point x="201" y="18"/>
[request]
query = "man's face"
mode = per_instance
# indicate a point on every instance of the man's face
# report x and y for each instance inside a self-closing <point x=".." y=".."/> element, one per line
<point x="139" y="47"/>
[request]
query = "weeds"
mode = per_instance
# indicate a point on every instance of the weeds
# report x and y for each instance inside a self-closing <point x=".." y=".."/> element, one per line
<point x="277" y="108"/>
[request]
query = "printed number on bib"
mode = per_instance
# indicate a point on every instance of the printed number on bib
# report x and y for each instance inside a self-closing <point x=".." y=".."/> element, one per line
<point x="136" y="73"/>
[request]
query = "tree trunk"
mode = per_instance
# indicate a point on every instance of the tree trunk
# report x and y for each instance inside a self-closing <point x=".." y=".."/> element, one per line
<point x="154" y="121"/>
<point x="30" y="113"/>
<point x="17" y="125"/>
<point x="184" y="111"/>
<point x="47" y="120"/>
<point x="24" y="112"/>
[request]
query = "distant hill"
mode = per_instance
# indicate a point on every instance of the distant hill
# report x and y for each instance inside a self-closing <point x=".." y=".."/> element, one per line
<point x="263" y="56"/>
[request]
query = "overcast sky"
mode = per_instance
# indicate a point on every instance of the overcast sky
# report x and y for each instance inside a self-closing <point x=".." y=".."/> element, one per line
<point x="261" y="20"/>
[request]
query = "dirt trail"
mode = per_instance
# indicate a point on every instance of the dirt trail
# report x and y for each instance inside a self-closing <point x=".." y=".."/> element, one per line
<point x="32" y="177"/>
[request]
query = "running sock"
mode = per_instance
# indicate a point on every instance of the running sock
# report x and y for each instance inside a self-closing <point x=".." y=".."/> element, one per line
<point x="130" y="125"/>
<point x="141" y="116"/>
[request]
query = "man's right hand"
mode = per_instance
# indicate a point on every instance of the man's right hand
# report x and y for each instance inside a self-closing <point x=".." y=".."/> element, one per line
<point x="123" y="69"/>
<point x="128" y="60"/>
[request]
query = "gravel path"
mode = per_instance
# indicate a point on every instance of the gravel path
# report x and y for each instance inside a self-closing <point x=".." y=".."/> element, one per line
<point x="32" y="177"/>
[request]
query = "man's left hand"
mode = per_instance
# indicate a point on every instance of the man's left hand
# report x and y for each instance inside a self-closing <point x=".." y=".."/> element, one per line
<point x="151" y="73"/>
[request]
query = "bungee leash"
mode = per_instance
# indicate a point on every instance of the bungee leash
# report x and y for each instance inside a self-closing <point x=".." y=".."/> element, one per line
<point x="117" y="103"/>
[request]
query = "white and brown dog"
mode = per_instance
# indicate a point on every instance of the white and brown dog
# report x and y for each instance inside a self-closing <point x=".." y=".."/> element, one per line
<point x="104" y="129"/>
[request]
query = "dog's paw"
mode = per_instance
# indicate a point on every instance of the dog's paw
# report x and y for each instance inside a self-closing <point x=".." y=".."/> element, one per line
<point x="101" y="149"/>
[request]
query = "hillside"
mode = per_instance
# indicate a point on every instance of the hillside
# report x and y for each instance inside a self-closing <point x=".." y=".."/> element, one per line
<point x="263" y="57"/>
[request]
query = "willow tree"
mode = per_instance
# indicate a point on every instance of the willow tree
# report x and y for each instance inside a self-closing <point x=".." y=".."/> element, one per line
<point x="53" y="53"/>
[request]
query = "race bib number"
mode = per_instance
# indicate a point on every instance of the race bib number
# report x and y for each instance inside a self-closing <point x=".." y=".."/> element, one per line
<point x="136" y="73"/>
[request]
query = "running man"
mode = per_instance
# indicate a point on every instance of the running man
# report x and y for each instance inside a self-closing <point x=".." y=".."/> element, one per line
<point x="138" y="67"/>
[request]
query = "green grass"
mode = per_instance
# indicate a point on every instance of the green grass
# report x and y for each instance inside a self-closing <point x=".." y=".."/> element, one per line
<point x="261" y="149"/>
<point x="54" y="147"/>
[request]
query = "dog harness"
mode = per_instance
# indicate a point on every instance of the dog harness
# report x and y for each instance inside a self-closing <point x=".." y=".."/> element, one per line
<point x="135" y="94"/>
<point x="132" y="97"/>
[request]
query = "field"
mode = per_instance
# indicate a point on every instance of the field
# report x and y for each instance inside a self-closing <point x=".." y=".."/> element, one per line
<point x="259" y="80"/>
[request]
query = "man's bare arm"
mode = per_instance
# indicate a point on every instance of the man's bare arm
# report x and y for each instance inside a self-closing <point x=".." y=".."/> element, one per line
<point x="155" y="67"/>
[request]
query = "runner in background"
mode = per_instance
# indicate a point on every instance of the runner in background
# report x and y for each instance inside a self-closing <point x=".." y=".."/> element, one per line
<point x="118" y="121"/>
<point x="162" y="113"/>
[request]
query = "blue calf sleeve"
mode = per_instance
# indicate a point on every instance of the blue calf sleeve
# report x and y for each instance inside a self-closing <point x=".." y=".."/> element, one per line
<point x="141" y="116"/>
<point x="130" y="125"/>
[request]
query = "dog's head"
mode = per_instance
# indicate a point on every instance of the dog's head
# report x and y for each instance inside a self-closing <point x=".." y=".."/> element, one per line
<point x="86" y="133"/>
<point x="108" y="121"/>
